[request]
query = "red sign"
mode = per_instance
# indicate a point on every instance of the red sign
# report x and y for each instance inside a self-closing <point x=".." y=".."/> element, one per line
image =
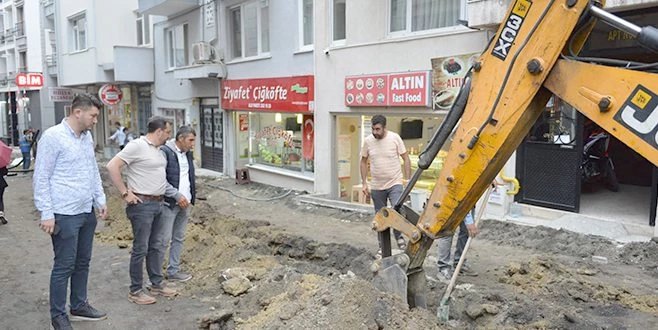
<point x="287" y="94"/>
<point x="110" y="94"/>
<point x="393" y="90"/>
<point x="308" y="133"/>
<point x="244" y="123"/>
<point x="29" y="80"/>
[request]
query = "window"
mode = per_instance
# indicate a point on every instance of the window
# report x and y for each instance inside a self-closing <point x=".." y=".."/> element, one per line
<point x="339" y="20"/>
<point x="143" y="30"/>
<point x="250" y="29"/>
<point x="423" y="15"/>
<point x="177" y="46"/>
<point x="306" y="24"/>
<point x="79" y="33"/>
<point x="177" y="117"/>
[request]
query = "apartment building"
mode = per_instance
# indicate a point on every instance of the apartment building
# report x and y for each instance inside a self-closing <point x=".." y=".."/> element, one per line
<point x="103" y="48"/>
<point x="20" y="53"/>
<point x="242" y="75"/>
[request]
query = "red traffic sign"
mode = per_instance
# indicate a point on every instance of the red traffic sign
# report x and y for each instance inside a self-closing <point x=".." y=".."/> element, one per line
<point x="110" y="94"/>
<point x="29" y="80"/>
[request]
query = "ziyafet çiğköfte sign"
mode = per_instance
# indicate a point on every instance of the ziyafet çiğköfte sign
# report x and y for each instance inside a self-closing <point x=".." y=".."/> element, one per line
<point x="285" y="94"/>
<point x="405" y="89"/>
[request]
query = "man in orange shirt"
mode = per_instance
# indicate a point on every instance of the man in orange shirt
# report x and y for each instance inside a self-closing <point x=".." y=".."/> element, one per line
<point x="384" y="148"/>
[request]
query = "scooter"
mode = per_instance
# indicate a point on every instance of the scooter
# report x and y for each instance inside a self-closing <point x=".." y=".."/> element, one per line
<point x="597" y="167"/>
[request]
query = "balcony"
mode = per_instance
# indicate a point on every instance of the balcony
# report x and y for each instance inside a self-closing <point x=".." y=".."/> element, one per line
<point x="51" y="64"/>
<point x="132" y="64"/>
<point x="48" y="7"/>
<point x="165" y="7"/>
<point x="200" y="71"/>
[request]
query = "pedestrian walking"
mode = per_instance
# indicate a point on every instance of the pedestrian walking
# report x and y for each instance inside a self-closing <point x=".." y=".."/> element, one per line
<point x="67" y="190"/>
<point x="383" y="149"/>
<point x="25" y="143"/>
<point x="3" y="185"/>
<point x="181" y="184"/>
<point x="119" y="136"/>
<point x="144" y="196"/>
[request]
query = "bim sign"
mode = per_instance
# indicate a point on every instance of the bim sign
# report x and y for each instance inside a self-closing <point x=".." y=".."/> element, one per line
<point x="29" y="80"/>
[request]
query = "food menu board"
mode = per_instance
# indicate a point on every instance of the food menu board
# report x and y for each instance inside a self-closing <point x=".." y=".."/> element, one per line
<point x="366" y="90"/>
<point x="448" y="77"/>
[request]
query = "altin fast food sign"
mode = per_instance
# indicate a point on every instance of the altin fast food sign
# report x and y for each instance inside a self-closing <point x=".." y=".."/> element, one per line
<point x="410" y="89"/>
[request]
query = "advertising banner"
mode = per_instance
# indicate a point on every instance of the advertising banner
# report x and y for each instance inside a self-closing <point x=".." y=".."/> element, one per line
<point x="286" y="94"/>
<point x="408" y="89"/>
<point x="448" y="77"/>
<point x="308" y="137"/>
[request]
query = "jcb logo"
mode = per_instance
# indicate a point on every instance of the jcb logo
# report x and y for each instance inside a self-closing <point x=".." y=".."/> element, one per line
<point x="640" y="114"/>
<point x="511" y="29"/>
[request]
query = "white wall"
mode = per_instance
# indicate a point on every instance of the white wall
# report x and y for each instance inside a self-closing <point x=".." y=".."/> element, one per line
<point x="32" y="27"/>
<point x="369" y="51"/>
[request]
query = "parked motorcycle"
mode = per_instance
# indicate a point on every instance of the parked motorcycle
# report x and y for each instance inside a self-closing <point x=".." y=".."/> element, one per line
<point x="597" y="167"/>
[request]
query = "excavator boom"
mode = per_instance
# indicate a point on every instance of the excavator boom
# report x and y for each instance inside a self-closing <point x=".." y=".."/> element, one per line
<point x="529" y="59"/>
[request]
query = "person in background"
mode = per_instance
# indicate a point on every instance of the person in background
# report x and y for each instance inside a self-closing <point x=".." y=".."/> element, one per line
<point x="3" y="185"/>
<point x="181" y="184"/>
<point x="119" y="135"/>
<point x="67" y="190"/>
<point x="25" y="143"/>
<point x="467" y="228"/>
<point x="144" y="195"/>
<point x="384" y="148"/>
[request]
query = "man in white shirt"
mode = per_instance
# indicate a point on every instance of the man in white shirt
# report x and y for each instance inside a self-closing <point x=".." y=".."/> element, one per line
<point x="180" y="184"/>
<point x="119" y="135"/>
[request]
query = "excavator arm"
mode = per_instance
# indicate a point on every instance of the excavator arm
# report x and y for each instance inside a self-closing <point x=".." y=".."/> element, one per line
<point x="531" y="58"/>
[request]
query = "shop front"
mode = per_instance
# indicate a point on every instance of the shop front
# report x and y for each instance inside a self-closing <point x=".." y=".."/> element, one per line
<point x="407" y="101"/>
<point x="271" y="127"/>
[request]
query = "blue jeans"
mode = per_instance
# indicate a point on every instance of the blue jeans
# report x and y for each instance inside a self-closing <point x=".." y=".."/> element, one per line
<point x="148" y="242"/>
<point x="445" y="246"/>
<point x="26" y="160"/>
<point x="175" y="220"/>
<point x="72" y="247"/>
<point x="381" y="198"/>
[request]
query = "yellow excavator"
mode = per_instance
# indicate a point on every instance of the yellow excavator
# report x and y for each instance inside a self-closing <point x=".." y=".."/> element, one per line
<point x="533" y="56"/>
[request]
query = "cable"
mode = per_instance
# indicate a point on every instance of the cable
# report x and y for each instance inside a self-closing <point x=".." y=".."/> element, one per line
<point x="251" y="198"/>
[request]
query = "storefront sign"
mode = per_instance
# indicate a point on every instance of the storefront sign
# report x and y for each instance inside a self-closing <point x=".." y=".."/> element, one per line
<point x="110" y="94"/>
<point x="288" y="94"/>
<point x="409" y="89"/>
<point x="308" y="137"/>
<point x="60" y="94"/>
<point x="29" y="80"/>
<point x="244" y="122"/>
<point x="448" y="77"/>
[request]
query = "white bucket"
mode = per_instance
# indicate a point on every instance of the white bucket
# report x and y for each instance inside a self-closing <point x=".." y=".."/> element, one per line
<point x="418" y="199"/>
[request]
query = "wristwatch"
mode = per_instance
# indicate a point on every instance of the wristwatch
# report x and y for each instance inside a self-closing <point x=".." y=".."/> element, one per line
<point x="124" y="194"/>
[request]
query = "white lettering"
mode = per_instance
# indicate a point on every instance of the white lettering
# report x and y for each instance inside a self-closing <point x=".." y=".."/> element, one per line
<point x="408" y="82"/>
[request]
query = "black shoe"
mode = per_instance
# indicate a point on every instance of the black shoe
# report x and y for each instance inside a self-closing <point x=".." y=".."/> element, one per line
<point x="87" y="313"/>
<point x="61" y="323"/>
<point x="3" y="220"/>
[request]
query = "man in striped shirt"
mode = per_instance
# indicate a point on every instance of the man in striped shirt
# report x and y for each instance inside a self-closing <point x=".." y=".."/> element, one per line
<point x="383" y="149"/>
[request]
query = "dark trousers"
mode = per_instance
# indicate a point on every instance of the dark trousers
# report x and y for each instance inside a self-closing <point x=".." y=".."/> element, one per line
<point x="72" y="247"/>
<point x="381" y="198"/>
<point x="2" y="198"/>
<point x="148" y="242"/>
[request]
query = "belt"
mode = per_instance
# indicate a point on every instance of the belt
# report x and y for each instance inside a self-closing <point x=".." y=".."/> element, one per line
<point x="157" y="198"/>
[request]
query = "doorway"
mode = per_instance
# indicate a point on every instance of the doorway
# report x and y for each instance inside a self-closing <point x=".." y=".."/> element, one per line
<point x="212" y="138"/>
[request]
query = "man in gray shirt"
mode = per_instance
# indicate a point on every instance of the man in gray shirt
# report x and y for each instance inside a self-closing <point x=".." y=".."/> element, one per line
<point x="145" y="174"/>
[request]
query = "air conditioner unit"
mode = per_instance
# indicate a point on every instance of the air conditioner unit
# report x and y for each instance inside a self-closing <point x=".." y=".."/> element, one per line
<point x="203" y="52"/>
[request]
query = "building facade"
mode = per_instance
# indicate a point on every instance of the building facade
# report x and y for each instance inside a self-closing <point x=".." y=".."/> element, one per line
<point x="102" y="48"/>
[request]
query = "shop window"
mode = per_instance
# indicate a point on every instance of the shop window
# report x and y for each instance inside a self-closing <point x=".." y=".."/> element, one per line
<point x="177" y="117"/>
<point x="306" y="24"/>
<point x="272" y="139"/>
<point x="250" y="29"/>
<point x="177" y="46"/>
<point x="338" y="20"/>
<point x="409" y="16"/>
